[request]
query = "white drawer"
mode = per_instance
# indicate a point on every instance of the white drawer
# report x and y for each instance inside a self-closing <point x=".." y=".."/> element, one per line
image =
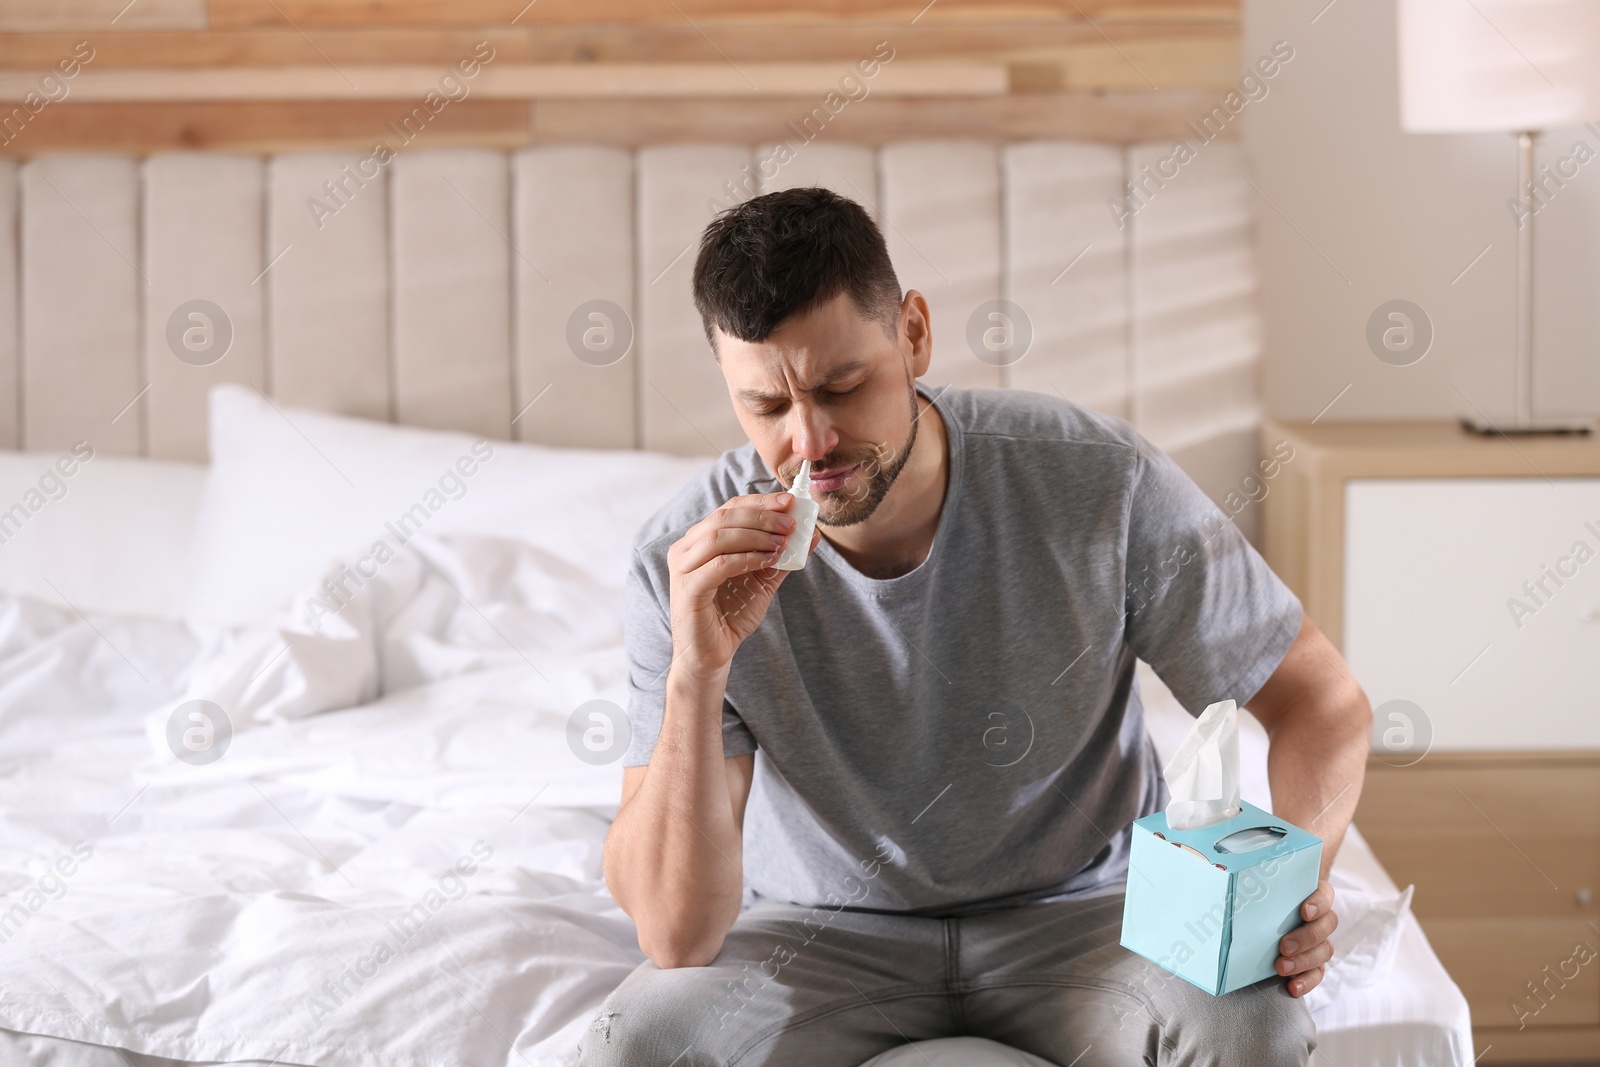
<point x="1434" y="571"/>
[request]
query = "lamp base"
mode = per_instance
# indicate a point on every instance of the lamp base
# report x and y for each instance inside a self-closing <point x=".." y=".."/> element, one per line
<point x="1533" y="427"/>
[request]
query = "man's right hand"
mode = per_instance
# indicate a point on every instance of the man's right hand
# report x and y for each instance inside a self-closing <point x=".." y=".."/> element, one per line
<point x="674" y="857"/>
<point x="722" y="578"/>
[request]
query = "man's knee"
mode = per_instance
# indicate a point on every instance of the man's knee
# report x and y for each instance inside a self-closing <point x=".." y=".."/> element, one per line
<point x="1259" y="1024"/>
<point x="680" y="1016"/>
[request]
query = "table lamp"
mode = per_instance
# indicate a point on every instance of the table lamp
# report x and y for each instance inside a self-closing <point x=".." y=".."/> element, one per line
<point x="1517" y="66"/>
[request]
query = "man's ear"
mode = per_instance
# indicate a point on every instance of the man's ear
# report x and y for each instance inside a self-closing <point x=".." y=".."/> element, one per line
<point x="916" y="331"/>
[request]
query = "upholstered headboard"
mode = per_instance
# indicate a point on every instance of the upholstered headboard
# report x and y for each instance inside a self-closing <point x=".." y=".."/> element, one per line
<point x="448" y="287"/>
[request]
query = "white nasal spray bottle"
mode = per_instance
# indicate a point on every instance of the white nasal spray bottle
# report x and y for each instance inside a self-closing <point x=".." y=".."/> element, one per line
<point x="804" y="513"/>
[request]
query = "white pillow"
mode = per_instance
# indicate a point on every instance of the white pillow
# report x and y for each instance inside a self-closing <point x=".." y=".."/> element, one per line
<point x="96" y="532"/>
<point x="291" y="490"/>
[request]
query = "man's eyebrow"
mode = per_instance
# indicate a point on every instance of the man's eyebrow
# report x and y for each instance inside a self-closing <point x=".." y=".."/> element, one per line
<point x="844" y="370"/>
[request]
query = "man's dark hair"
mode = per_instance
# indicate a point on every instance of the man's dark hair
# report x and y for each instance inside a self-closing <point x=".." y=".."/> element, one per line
<point x="784" y="254"/>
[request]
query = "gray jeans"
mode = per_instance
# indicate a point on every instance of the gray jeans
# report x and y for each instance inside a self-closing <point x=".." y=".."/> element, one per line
<point x="811" y="987"/>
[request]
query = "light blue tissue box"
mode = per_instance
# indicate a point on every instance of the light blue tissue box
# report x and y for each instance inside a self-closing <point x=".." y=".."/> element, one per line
<point x="1211" y="905"/>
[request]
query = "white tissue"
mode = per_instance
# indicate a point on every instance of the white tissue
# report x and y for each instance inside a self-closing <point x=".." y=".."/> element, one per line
<point x="1203" y="776"/>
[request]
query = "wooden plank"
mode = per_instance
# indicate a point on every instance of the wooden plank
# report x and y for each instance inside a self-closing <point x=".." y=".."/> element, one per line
<point x="286" y="126"/>
<point x="279" y="47"/>
<point x="676" y="41"/>
<point x="647" y="42"/>
<point x="1116" y="118"/>
<point x="308" y="13"/>
<point x="427" y="84"/>
<point x="1155" y="64"/>
<point x="1435" y="448"/>
<point x="102" y="16"/>
<point x="267" y="128"/>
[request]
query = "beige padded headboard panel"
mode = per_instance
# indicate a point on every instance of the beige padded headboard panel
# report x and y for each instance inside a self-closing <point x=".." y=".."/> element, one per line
<point x="574" y="245"/>
<point x="457" y="305"/>
<point x="202" y="230"/>
<point x="459" y="288"/>
<point x="325" y="282"/>
<point x="81" y="291"/>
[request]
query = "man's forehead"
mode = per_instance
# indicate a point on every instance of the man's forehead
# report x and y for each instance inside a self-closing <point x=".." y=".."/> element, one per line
<point x="765" y="375"/>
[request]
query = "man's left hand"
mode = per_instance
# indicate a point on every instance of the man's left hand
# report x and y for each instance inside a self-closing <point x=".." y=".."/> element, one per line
<point x="1306" y="950"/>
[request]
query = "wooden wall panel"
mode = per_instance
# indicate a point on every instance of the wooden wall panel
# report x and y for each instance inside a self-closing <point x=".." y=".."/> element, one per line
<point x="102" y="15"/>
<point x="419" y="82"/>
<point x="451" y="233"/>
<point x="267" y="128"/>
<point x="1116" y="70"/>
<point x="1116" y="118"/>
<point x="941" y="203"/>
<point x="231" y="13"/>
<point x="1170" y="47"/>
<point x="328" y="284"/>
<point x="10" y="328"/>
<point x="683" y="398"/>
<point x="577" y="361"/>
<point x="272" y="127"/>
<point x="282" y="46"/>
<point x="1066" y="267"/>
<point x="201" y="241"/>
<point x="82" y="288"/>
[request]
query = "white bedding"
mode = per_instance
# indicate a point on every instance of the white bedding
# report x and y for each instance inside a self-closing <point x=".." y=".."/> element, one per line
<point x="211" y="911"/>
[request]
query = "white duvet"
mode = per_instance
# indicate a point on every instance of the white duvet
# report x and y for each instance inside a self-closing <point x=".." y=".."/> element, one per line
<point x="397" y="859"/>
<point x="414" y="880"/>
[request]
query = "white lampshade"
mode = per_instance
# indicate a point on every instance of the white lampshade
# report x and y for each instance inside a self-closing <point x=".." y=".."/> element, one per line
<point x="1479" y="65"/>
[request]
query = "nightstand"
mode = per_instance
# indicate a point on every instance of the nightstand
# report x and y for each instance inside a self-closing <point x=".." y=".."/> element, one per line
<point x="1460" y="577"/>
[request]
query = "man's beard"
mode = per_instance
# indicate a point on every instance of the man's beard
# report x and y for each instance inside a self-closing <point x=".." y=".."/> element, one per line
<point x="856" y="500"/>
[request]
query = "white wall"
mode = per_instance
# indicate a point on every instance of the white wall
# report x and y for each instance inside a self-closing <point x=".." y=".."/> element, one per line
<point x="1400" y="216"/>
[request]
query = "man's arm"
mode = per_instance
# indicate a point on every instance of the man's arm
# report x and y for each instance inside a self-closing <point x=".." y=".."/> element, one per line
<point x="674" y="856"/>
<point x="1319" y="725"/>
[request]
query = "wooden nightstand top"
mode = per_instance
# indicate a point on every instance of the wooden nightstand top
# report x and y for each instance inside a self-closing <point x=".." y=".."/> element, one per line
<point x="1432" y="449"/>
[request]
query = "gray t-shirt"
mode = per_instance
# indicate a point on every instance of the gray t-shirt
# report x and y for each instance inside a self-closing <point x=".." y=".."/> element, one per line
<point x="968" y="736"/>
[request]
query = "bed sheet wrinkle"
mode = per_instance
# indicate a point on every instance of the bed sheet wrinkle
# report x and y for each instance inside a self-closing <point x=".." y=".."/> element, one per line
<point x="83" y="670"/>
<point x="440" y="607"/>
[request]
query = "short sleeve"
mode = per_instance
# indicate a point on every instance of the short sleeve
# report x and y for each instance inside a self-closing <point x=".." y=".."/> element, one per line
<point x="1202" y="607"/>
<point x="647" y="636"/>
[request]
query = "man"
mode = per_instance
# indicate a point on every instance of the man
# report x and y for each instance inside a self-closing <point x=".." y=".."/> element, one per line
<point x="951" y="744"/>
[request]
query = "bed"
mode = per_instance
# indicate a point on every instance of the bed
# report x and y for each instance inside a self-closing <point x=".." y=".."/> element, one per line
<point x="379" y="842"/>
<point x="229" y="911"/>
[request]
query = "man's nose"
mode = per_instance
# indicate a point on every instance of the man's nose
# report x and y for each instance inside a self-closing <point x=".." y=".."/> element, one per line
<point x="813" y="437"/>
